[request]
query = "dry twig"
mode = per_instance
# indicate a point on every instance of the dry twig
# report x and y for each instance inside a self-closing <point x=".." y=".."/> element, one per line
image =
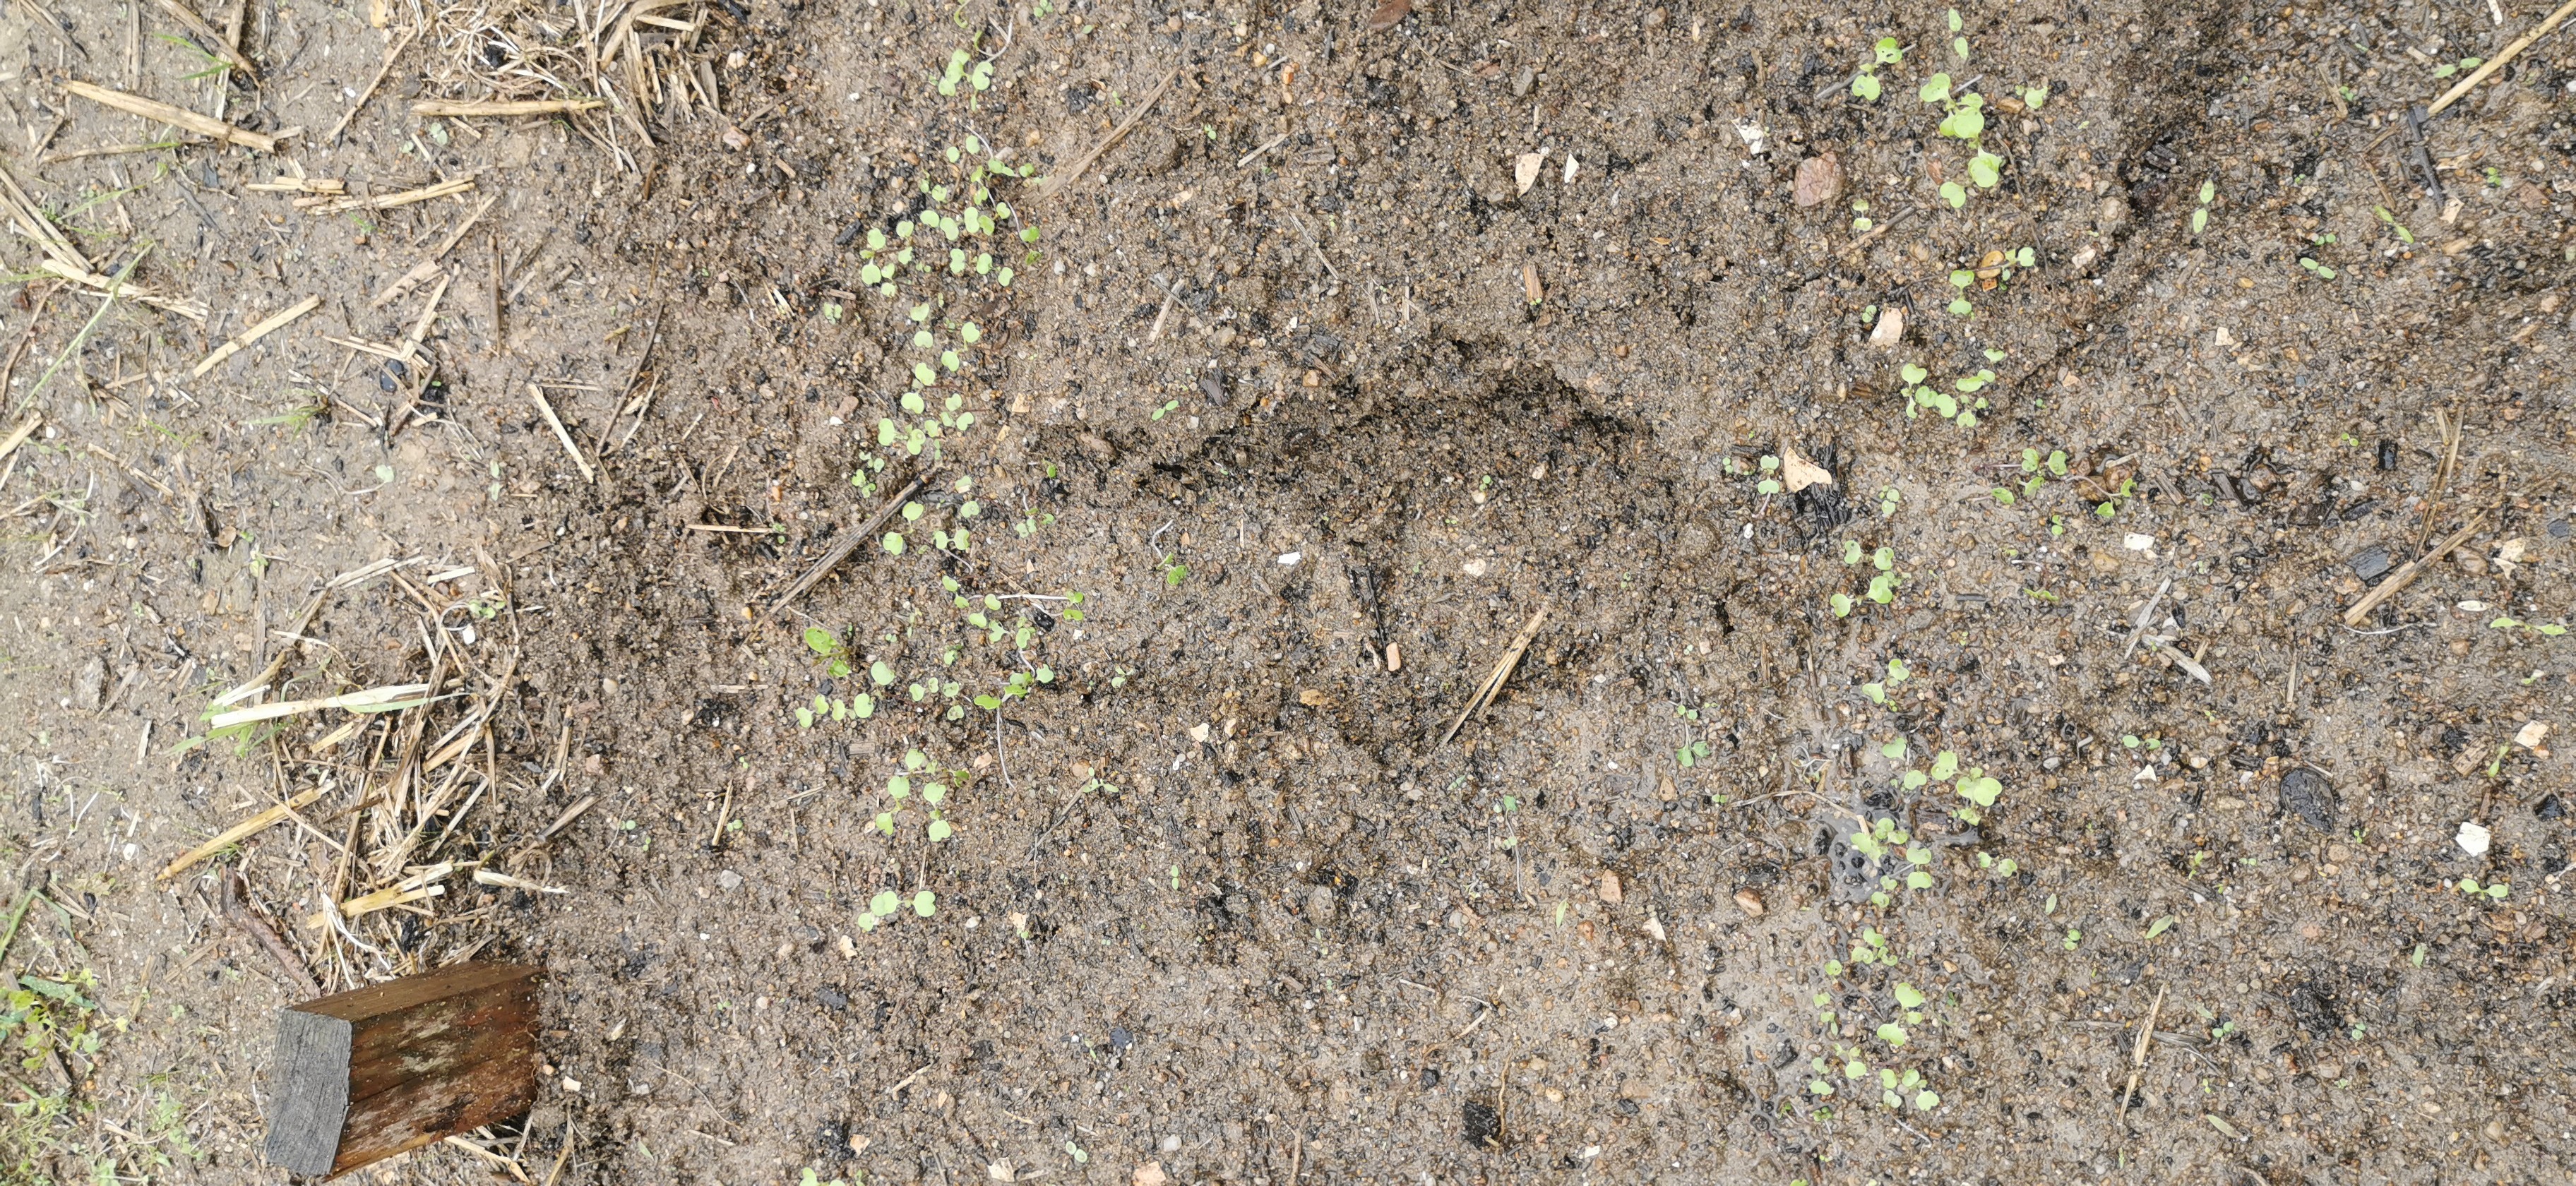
<point x="2406" y="573"/>
<point x="843" y="546"/>
<point x="177" y="117"/>
<point x="2491" y="65"/>
<point x="502" y="107"/>
<point x="1502" y="670"/>
<point x="246" y="337"/>
<point x="1074" y="172"/>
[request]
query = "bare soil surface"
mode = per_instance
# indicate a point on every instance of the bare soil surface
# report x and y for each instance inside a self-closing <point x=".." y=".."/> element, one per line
<point x="1927" y="523"/>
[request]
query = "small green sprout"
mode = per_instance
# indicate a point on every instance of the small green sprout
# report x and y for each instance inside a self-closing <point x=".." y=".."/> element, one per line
<point x="2496" y="892"/>
<point x="2403" y="235"/>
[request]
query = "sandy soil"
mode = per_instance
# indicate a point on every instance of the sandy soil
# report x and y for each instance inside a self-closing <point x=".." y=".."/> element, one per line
<point x="1932" y="517"/>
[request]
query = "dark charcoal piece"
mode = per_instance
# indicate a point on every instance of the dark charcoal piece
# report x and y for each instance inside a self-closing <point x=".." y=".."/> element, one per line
<point x="1484" y="1124"/>
<point x="2307" y="795"/>
<point x="2550" y="808"/>
<point x="2387" y="454"/>
<point x="1822" y="507"/>
<point x="2371" y="562"/>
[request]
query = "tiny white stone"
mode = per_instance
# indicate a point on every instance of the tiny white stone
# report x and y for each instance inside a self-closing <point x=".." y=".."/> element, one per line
<point x="2473" y="839"/>
<point x="2137" y="541"/>
<point x="1473" y="568"/>
<point x="1290" y="559"/>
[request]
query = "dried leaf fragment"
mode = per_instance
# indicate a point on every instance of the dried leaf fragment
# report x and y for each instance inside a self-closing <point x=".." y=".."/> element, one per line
<point x="1389" y="15"/>
<point x="1819" y="179"/>
<point x="1890" y="329"/>
<point x="1798" y="473"/>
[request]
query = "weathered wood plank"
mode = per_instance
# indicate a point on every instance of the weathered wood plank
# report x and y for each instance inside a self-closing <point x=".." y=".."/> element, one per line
<point x="385" y="1069"/>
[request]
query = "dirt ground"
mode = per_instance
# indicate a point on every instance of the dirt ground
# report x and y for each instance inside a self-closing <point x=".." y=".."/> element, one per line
<point x="1924" y="497"/>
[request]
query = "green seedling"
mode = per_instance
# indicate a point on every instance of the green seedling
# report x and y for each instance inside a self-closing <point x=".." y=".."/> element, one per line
<point x="2495" y="892"/>
<point x="2404" y="236"/>
<point x="1865" y="86"/>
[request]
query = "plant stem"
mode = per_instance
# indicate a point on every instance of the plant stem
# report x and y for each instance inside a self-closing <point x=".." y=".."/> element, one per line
<point x="78" y="339"/>
<point x="9" y="981"/>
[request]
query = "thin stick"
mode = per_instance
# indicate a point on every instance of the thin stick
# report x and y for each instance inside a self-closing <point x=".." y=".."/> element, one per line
<point x="2406" y="573"/>
<point x="114" y="286"/>
<point x="387" y="698"/>
<point x="9" y="936"/>
<point x="243" y="340"/>
<point x="383" y="899"/>
<point x="842" y="547"/>
<point x="1876" y="233"/>
<point x="24" y="431"/>
<point x="2497" y="62"/>
<point x="1080" y="163"/>
<point x="457" y="236"/>
<point x="1502" y="670"/>
<point x="239" y="832"/>
<point x="428" y="315"/>
<point x="563" y="821"/>
<point x="82" y="154"/>
<point x="177" y="117"/>
<point x="1246" y="159"/>
<point x="492" y="242"/>
<point x="1320" y="257"/>
<point x="2144" y="616"/>
<point x="408" y="281"/>
<point x="562" y="1157"/>
<point x="723" y="813"/>
<point x="391" y="53"/>
<point x="2138" y="1056"/>
<point x="2452" y="432"/>
<point x="238" y="911"/>
<point x="477" y="107"/>
<point x="328" y="205"/>
<point x="197" y="25"/>
<point x="548" y="410"/>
